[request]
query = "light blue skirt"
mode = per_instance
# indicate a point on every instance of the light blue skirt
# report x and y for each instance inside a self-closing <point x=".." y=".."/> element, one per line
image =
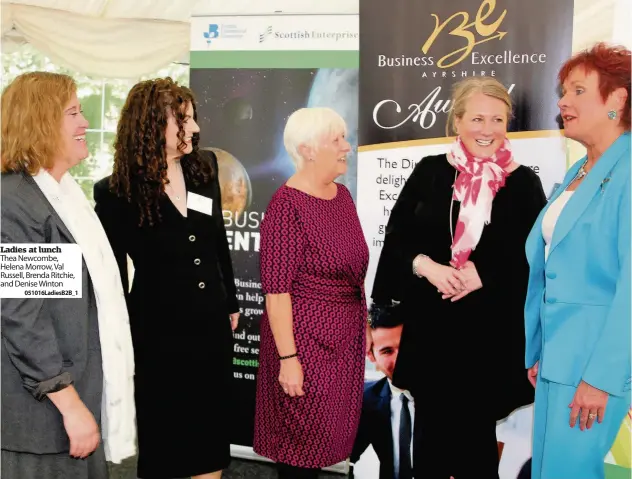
<point x="562" y="452"/>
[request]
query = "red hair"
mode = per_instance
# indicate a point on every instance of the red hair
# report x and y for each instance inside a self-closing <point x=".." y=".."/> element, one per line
<point x="612" y="65"/>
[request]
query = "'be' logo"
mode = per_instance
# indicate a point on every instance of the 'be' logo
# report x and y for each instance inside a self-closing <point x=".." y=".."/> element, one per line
<point x="487" y="31"/>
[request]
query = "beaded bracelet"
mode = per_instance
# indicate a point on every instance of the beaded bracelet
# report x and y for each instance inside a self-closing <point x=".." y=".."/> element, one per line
<point x="288" y="357"/>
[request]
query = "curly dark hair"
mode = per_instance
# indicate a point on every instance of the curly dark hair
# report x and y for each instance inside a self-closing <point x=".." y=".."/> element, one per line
<point x="140" y="161"/>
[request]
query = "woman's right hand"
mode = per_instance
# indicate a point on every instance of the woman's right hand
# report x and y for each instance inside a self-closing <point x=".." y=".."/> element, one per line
<point x="446" y="279"/>
<point x="80" y="425"/>
<point x="291" y="377"/>
<point x="532" y="373"/>
<point x="82" y="430"/>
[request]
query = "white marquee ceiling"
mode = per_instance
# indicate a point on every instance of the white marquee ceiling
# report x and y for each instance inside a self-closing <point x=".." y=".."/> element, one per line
<point x="121" y="37"/>
<point x="182" y="10"/>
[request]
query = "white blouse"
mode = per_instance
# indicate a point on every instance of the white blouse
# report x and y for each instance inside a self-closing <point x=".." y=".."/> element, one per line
<point x="550" y="219"/>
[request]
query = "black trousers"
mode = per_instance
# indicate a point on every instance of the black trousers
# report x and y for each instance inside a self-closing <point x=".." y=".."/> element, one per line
<point x="454" y="437"/>
<point x="286" y="471"/>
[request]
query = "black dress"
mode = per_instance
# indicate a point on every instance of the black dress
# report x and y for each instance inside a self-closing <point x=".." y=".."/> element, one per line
<point x="179" y="305"/>
<point x="464" y="361"/>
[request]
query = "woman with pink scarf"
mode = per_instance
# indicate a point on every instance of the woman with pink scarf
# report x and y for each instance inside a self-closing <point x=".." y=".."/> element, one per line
<point x="454" y="259"/>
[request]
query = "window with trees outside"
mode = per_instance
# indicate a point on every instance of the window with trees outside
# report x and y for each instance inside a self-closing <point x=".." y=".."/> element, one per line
<point x="101" y="100"/>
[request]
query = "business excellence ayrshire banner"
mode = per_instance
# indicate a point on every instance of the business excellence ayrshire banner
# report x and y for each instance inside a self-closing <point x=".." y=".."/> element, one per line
<point x="249" y="74"/>
<point x="411" y="54"/>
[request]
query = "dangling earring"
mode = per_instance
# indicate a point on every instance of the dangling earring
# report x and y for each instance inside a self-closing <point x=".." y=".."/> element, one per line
<point x="612" y="114"/>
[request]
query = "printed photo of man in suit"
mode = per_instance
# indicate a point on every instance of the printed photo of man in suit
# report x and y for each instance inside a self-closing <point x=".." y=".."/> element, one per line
<point x="388" y="413"/>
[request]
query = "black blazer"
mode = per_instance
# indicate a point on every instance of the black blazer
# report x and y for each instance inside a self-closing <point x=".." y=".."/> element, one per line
<point x="375" y="427"/>
<point x="182" y="266"/>
<point x="47" y="343"/>
<point x="486" y="327"/>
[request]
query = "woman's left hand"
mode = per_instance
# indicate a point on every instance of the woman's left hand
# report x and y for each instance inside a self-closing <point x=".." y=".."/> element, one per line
<point x="234" y="320"/>
<point x="589" y="404"/>
<point x="470" y="279"/>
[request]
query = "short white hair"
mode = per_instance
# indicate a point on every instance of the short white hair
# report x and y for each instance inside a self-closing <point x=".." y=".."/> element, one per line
<point x="308" y="126"/>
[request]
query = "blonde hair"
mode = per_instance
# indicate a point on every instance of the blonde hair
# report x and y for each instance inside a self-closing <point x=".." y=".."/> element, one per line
<point x="32" y="113"/>
<point x="463" y="90"/>
<point x="307" y="127"/>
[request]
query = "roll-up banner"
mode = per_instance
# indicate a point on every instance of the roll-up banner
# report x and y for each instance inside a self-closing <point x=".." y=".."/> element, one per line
<point x="249" y="73"/>
<point x="411" y="54"/>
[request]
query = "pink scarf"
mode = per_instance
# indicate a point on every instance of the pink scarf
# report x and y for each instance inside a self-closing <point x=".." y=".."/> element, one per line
<point x="475" y="188"/>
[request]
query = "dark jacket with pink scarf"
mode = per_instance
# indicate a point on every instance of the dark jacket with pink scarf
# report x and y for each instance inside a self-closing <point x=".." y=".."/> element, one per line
<point x="472" y="348"/>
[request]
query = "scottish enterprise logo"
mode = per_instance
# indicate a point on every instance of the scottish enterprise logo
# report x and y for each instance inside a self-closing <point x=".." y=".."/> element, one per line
<point x="266" y="33"/>
<point x="307" y="35"/>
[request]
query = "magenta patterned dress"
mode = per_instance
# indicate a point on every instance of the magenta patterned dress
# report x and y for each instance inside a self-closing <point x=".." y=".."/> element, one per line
<point x="315" y="250"/>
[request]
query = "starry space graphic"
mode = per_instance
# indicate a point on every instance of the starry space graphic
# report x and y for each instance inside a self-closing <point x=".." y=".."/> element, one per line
<point x="242" y="114"/>
<point x="244" y="111"/>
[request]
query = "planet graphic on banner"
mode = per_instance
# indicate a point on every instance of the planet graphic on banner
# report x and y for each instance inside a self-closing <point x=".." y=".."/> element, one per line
<point x="234" y="182"/>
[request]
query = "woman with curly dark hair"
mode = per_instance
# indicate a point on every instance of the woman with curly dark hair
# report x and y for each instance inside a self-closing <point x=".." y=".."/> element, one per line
<point x="162" y="207"/>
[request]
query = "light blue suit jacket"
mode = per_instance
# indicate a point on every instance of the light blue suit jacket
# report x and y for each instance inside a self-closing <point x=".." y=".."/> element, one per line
<point x="577" y="312"/>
